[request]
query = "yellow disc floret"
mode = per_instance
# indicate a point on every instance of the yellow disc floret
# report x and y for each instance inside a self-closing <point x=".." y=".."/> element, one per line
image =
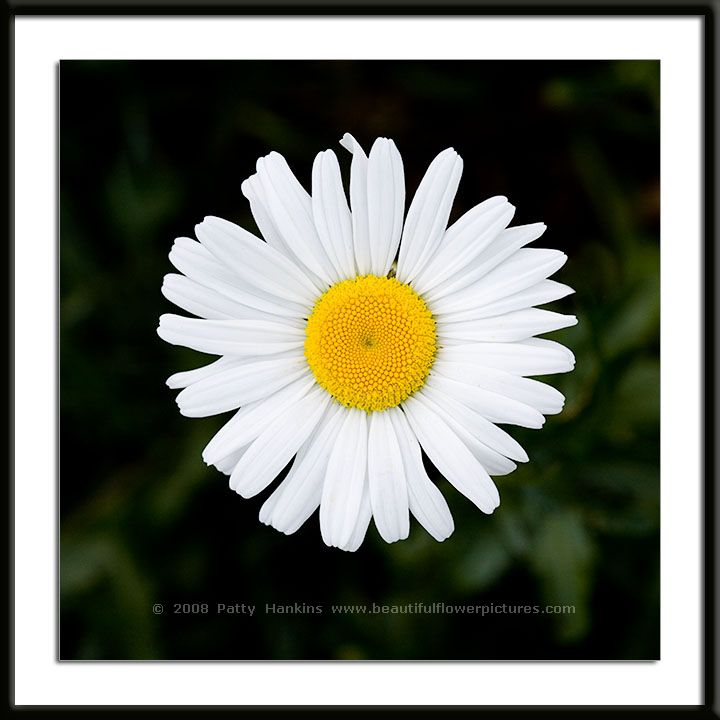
<point x="370" y="342"/>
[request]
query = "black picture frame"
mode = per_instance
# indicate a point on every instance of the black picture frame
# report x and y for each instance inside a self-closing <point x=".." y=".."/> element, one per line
<point x="708" y="11"/>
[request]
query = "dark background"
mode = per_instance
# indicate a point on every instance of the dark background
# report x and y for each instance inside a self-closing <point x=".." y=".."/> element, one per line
<point x="148" y="149"/>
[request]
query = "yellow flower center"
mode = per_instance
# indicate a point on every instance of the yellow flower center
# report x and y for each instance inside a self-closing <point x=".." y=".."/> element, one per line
<point x="370" y="342"/>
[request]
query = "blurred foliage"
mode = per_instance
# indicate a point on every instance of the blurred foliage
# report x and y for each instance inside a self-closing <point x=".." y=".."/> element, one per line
<point x="148" y="149"/>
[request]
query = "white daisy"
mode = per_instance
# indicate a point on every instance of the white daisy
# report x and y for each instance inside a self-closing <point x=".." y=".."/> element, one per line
<point x="350" y="339"/>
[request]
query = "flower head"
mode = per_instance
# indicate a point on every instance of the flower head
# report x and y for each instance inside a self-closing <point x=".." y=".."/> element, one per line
<point x="354" y="335"/>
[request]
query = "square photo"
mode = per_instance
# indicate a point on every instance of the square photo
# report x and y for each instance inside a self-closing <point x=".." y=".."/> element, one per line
<point x="359" y="360"/>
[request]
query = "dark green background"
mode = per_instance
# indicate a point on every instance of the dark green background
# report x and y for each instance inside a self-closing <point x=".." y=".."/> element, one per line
<point x="148" y="149"/>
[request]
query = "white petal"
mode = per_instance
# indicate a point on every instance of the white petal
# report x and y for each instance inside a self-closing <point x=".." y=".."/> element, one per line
<point x="256" y="263"/>
<point x="450" y="455"/>
<point x="195" y="261"/>
<point x="230" y="337"/>
<point x="522" y="270"/>
<point x="188" y="377"/>
<point x="428" y="214"/>
<point x="507" y="243"/>
<point x="426" y="502"/>
<point x="212" y="305"/>
<point x="496" y="408"/>
<point x="275" y="446"/>
<point x="472" y="225"/>
<point x="520" y="358"/>
<point x="494" y="462"/>
<point x="464" y="240"/>
<point x="359" y="204"/>
<point x="478" y="426"/>
<point x="344" y="480"/>
<point x="542" y="397"/>
<point x="386" y="480"/>
<point x="543" y="292"/>
<point x="386" y="204"/>
<point x="253" y="418"/>
<point x="361" y="524"/>
<point x="241" y="385"/>
<point x="298" y="496"/>
<point x="227" y="464"/>
<point x="545" y="345"/>
<point x="332" y="214"/>
<point x="290" y="208"/>
<point x="253" y="190"/>
<point x="517" y="325"/>
<point x="200" y="265"/>
<point x="268" y="507"/>
<point x="198" y="300"/>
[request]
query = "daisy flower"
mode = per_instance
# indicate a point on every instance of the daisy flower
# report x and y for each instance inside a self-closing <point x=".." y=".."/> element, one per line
<point x="354" y="336"/>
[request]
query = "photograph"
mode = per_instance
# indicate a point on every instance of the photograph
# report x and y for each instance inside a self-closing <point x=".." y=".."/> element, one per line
<point x="359" y="360"/>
